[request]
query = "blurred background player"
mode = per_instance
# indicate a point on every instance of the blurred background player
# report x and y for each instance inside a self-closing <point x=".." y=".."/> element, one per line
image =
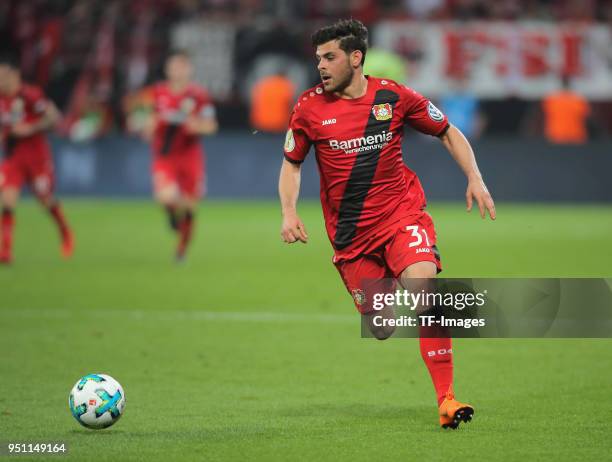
<point x="374" y="206"/>
<point x="182" y="113"/>
<point x="566" y="113"/>
<point x="271" y="102"/>
<point x="25" y="115"/>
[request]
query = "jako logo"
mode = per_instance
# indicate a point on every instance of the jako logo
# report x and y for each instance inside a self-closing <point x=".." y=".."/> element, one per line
<point x="328" y="122"/>
<point x="363" y="143"/>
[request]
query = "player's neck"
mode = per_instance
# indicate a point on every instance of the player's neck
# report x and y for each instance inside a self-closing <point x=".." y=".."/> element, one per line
<point x="178" y="87"/>
<point x="356" y="89"/>
<point x="11" y="89"/>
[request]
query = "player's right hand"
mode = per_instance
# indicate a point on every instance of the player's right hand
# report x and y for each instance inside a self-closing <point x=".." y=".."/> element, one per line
<point x="293" y="230"/>
<point x="22" y="130"/>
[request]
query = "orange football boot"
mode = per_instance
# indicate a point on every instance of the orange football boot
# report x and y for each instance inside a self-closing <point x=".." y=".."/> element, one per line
<point x="452" y="412"/>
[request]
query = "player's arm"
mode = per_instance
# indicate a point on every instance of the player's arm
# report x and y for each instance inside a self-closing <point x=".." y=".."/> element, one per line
<point x="297" y="145"/>
<point x="292" y="229"/>
<point x="198" y="125"/>
<point x="148" y="126"/>
<point x="49" y="117"/>
<point x="421" y="114"/>
<point x="144" y="99"/>
<point x="203" y="121"/>
<point x="459" y="147"/>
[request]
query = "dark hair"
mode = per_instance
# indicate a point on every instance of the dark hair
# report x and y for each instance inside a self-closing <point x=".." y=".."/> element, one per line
<point x="178" y="52"/>
<point x="351" y="33"/>
<point x="9" y="59"/>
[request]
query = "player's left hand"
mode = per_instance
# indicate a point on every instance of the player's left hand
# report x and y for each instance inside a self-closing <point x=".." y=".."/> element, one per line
<point x="22" y="129"/>
<point x="478" y="191"/>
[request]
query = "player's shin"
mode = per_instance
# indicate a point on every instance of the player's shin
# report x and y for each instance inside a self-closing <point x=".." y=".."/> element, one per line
<point x="55" y="209"/>
<point x="57" y="213"/>
<point x="7" y="221"/>
<point x="185" y="229"/>
<point x="437" y="353"/>
<point x="173" y="216"/>
<point x="434" y="339"/>
<point x="436" y="349"/>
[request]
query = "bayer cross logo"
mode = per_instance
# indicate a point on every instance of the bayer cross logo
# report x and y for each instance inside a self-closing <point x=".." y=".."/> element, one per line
<point x="358" y="296"/>
<point x="382" y="111"/>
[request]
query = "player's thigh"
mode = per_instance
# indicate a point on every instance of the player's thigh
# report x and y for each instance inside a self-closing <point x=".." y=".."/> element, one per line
<point x="412" y="255"/>
<point x="362" y="278"/>
<point x="9" y="196"/>
<point x="413" y="252"/>
<point x="419" y="278"/>
<point x="41" y="177"/>
<point x="165" y="182"/>
<point x="191" y="180"/>
<point x="11" y="179"/>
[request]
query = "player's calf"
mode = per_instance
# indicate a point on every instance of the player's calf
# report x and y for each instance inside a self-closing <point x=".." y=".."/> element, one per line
<point x="43" y="189"/>
<point x="185" y="233"/>
<point x="7" y="221"/>
<point x="167" y="195"/>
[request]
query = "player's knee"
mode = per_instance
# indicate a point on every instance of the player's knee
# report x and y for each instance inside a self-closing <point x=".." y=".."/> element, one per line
<point x="383" y="332"/>
<point x="166" y="196"/>
<point x="9" y="197"/>
<point x="422" y="270"/>
<point x="377" y="326"/>
<point x="42" y="187"/>
<point x="418" y="277"/>
<point x="189" y="203"/>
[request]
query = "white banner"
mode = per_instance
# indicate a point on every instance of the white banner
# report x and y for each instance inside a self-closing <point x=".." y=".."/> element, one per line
<point x="210" y="45"/>
<point x="498" y="59"/>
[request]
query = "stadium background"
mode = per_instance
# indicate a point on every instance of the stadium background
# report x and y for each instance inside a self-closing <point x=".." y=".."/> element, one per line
<point x="252" y="348"/>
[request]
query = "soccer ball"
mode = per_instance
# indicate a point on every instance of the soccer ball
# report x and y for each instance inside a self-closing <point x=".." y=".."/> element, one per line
<point x="97" y="401"/>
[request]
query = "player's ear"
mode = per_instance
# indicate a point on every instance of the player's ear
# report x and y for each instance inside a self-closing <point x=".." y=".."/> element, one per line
<point x="356" y="57"/>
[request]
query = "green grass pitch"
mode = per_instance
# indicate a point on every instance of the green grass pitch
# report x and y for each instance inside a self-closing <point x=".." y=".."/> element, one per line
<point x="251" y="349"/>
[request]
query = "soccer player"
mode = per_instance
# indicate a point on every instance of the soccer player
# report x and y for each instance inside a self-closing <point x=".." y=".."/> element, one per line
<point x="182" y="113"/>
<point x="372" y="203"/>
<point x="25" y="115"/>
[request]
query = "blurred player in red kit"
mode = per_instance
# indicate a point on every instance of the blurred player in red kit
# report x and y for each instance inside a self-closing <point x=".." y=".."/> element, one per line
<point x="373" y="204"/>
<point x="25" y="115"/>
<point x="182" y="113"/>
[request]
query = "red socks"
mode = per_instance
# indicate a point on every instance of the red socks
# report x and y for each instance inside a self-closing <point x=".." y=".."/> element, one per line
<point x="58" y="216"/>
<point x="7" y="221"/>
<point x="437" y="354"/>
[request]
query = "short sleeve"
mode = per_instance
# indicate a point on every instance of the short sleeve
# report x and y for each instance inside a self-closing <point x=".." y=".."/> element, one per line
<point x="297" y="141"/>
<point x="37" y="100"/>
<point x="206" y="108"/>
<point x="422" y="115"/>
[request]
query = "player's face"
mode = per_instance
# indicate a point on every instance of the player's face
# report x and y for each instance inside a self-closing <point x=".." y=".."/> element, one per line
<point x="179" y="69"/>
<point x="8" y="77"/>
<point x="334" y="66"/>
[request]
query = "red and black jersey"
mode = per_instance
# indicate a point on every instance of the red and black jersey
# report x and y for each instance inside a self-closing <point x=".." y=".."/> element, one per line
<point x="365" y="184"/>
<point x="171" y="111"/>
<point x="27" y="105"/>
